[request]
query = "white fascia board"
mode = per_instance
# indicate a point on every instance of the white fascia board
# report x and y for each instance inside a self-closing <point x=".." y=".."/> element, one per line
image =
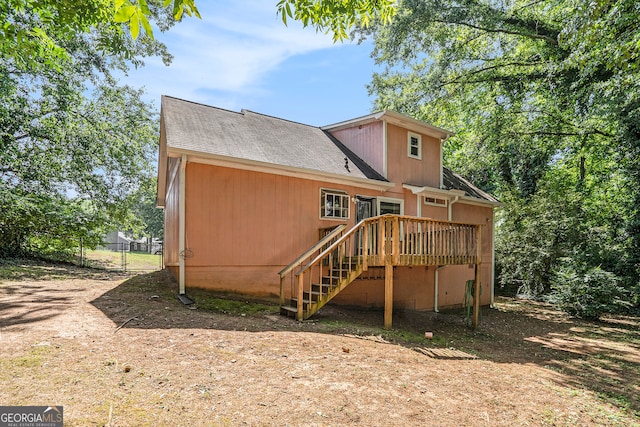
<point x="395" y="119"/>
<point x="416" y="125"/>
<point x="450" y="194"/>
<point x="161" y="185"/>
<point x="255" y="166"/>
<point x="369" y="118"/>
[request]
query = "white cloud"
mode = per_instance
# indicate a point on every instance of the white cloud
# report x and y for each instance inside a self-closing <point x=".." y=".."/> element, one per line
<point x="227" y="53"/>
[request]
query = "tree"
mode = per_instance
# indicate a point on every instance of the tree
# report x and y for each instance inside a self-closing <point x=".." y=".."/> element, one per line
<point x="337" y="16"/>
<point x="34" y="34"/>
<point x="545" y="97"/>
<point x="74" y="144"/>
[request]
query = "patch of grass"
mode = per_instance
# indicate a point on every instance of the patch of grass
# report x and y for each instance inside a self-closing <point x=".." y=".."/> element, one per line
<point x="133" y="261"/>
<point x="19" y="269"/>
<point x="33" y="359"/>
<point x="207" y="301"/>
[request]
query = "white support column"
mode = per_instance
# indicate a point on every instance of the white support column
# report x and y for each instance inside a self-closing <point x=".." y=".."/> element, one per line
<point x="181" y="224"/>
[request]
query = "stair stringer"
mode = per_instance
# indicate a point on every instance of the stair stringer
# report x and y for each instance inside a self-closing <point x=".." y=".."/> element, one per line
<point x="314" y="306"/>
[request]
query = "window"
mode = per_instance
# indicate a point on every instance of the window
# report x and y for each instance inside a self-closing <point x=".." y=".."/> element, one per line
<point x="414" y="146"/>
<point x="435" y="202"/>
<point x="390" y="206"/>
<point x="334" y="204"/>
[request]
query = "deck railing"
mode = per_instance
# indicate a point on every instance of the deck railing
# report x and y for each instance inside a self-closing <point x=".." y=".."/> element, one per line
<point x="377" y="241"/>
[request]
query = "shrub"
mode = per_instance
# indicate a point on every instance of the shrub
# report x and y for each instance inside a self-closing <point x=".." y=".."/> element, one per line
<point x="588" y="293"/>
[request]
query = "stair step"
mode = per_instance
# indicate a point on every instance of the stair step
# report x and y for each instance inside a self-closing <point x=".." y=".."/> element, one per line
<point x="305" y="303"/>
<point x="288" y="311"/>
<point x="336" y="272"/>
<point x="315" y="295"/>
<point x="323" y="288"/>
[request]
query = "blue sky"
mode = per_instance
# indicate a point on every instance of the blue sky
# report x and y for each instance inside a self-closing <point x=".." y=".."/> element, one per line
<point x="241" y="55"/>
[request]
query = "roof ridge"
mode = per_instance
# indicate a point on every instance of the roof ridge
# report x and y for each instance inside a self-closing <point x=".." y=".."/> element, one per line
<point x="244" y="110"/>
<point x="200" y="104"/>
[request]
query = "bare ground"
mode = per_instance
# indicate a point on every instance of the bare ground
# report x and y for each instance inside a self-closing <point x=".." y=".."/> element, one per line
<point x="123" y="351"/>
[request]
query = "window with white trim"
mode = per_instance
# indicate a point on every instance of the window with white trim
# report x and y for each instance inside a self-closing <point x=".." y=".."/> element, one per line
<point x="388" y="205"/>
<point x="433" y="201"/>
<point x="334" y="204"/>
<point x="414" y="145"/>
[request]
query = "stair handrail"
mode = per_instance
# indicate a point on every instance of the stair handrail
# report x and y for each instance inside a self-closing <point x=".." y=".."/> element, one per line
<point x="335" y="244"/>
<point x="312" y="249"/>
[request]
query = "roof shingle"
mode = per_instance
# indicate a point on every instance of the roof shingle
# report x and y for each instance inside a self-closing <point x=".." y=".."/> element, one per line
<point x="257" y="137"/>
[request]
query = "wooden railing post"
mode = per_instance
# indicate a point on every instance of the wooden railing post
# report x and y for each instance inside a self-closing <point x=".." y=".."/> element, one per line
<point x="395" y="240"/>
<point x="382" y="241"/>
<point x="365" y="247"/>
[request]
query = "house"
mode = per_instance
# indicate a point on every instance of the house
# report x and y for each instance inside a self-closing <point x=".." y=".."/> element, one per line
<point x="119" y="241"/>
<point x="248" y="197"/>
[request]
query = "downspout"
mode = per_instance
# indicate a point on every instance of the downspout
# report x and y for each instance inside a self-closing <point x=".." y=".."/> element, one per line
<point x="493" y="259"/>
<point x="451" y="202"/>
<point x="419" y="206"/>
<point x="435" y="298"/>
<point x="181" y="225"/>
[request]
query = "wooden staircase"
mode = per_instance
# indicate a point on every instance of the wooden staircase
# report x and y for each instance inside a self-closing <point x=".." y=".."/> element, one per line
<point x="321" y="293"/>
<point x="340" y="257"/>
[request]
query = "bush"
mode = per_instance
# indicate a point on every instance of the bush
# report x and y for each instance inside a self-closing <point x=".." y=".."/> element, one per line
<point x="588" y="293"/>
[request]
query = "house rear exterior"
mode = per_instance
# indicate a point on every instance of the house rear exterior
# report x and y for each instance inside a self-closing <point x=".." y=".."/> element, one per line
<point x="245" y="194"/>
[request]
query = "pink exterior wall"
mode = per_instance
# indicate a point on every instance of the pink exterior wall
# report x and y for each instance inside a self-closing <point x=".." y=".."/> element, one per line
<point x="414" y="287"/>
<point x="243" y="227"/>
<point x="402" y="169"/>
<point x="367" y="142"/>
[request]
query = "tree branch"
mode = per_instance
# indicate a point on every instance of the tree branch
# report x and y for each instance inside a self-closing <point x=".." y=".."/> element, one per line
<point x="548" y="39"/>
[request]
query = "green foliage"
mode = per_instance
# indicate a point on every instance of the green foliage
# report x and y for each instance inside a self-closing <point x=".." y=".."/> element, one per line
<point x="587" y="292"/>
<point x="545" y="98"/>
<point x="337" y="16"/>
<point x="35" y="33"/>
<point x="75" y="146"/>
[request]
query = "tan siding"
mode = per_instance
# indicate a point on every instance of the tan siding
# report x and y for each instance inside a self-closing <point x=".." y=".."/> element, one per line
<point x="402" y="169"/>
<point x="250" y="221"/>
<point x="413" y="289"/>
<point x="366" y="141"/>
<point x="478" y="215"/>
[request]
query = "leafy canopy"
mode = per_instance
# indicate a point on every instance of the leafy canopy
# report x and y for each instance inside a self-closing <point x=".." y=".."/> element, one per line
<point x="544" y="98"/>
<point x="337" y="16"/>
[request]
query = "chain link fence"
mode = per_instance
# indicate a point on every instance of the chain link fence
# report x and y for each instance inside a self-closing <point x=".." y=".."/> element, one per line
<point x="122" y="256"/>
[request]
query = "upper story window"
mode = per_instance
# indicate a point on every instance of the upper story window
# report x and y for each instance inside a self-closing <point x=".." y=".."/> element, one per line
<point x="334" y="204"/>
<point x="435" y="201"/>
<point x="414" y="146"/>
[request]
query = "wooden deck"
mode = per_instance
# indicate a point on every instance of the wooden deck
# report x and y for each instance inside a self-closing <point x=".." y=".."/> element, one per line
<point x="340" y="257"/>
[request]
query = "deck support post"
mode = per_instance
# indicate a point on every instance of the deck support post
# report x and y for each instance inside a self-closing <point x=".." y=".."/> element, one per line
<point x="300" y="305"/>
<point x="476" y="289"/>
<point x="388" y="295"/>
<point x="476" y="298"/>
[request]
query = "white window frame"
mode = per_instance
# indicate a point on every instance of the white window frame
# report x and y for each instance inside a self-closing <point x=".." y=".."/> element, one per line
<point x="434" y="202"/>
<point x="389" y="200"/>
<point x="345" y="204"/>
<point x="418" y="137"/>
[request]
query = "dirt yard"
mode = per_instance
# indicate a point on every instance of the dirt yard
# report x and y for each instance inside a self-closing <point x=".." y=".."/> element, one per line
<point x="123" y="351"/>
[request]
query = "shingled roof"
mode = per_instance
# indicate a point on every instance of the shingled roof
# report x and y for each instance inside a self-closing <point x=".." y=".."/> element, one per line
<point x="246" y="135"/>
<point x="453" y="181"/>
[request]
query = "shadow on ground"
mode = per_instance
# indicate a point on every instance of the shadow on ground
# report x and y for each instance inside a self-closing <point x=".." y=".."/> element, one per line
<point x="603" y="356"/>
